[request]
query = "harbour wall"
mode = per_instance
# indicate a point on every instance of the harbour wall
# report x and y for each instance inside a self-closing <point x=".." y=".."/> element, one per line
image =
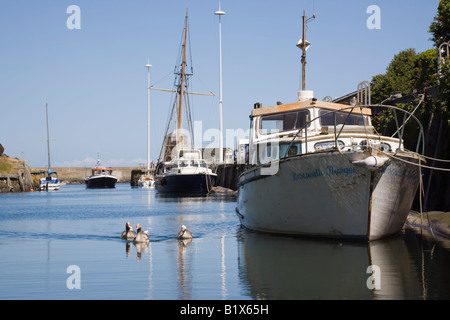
<point x="76" y="175"/>
<point x="228" y="174"/>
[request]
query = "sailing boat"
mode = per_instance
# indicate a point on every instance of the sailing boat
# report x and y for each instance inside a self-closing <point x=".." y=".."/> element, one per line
<point x="147" y="180"/>
<point x="50" y="181"/>
<point x="181" y="168"/>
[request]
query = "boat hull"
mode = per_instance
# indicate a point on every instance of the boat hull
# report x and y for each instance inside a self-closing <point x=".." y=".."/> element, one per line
<point x="101" y="182"/>
<point x="146" y="182"/>
<point x="199" y="183"/>
<point x="325" y="194"/>
<point x="46" y="186"/>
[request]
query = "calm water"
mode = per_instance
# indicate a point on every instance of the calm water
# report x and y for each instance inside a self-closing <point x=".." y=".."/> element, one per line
<point x="45" y="233"/>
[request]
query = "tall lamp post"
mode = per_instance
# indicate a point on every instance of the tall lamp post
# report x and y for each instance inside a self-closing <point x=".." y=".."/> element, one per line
<point x="220" y="13"/>
<point x="148" y="66"/>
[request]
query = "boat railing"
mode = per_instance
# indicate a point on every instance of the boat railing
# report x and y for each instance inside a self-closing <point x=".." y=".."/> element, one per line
<point x="339" y="128"/>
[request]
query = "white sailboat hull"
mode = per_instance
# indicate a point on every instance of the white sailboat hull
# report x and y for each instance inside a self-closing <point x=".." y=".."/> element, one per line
<point x="325" y="194"/>
<point x="49" y="186"/>
<point x="146" y="182"/>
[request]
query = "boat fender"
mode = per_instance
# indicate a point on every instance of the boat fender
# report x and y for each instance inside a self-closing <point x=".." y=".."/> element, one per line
<point x="371" y="162"/>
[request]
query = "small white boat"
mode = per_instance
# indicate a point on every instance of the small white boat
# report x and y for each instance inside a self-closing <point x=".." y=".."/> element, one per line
<point x="319" y="169"/>
<point x="50" y="181"/>
<point x="146" y="181"/>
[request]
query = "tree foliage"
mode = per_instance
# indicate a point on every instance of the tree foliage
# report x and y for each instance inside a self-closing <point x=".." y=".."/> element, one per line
<point x="440" y="27"/>
<point x="443" y="101"/>
<point x="406" y="73"/>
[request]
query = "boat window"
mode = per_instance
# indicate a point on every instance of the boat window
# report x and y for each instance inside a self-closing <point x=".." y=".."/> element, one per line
<point x="326" y="145"/>
<point x="294" y="149"/>
<point x="283" y="121"/>
<point x="327" y="118"/>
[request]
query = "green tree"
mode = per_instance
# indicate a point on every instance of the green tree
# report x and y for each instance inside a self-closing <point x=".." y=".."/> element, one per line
<point x="440" y="30"/>
<point x="440" y="27"/>
<point x="426" y="68"/>
<point x="407" y="72"/>
<point x="443" y="102"/>
<point x="400" y="76"/>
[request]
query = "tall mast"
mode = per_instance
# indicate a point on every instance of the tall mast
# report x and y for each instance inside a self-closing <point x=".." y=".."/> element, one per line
<point x="182" y="81"/>
<point x="48" y="139"/>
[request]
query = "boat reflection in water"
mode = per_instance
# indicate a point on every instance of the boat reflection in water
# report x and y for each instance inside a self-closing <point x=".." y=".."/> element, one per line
<point x="284" y="268"/>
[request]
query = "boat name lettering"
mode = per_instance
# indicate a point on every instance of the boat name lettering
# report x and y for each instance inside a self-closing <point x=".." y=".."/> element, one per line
<point x="307" y="175"/>
<point x="330" y="171"/>
<point x="400" y="173"/>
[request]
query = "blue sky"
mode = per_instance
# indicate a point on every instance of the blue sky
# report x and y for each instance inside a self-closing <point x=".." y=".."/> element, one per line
<point x="94" y="79"/>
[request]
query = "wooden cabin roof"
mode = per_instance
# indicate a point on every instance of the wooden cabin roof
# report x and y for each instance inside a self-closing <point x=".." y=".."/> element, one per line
<point x="301" y="105"/>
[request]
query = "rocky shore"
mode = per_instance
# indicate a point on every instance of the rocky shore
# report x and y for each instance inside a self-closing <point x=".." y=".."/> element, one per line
<point x="15" y="175"/>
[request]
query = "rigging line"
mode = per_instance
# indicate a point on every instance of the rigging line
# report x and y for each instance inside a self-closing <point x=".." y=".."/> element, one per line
<point x="188" y="112"/>
<point x="190" y="47"/>
<point x="422" y="194"/>
<point x="415" y="164"/>
<point x="409" y="117"/>
<point x="162" y="79"/>
<point x="170" y="115"/>
<point x="207" y="88"/>
<point x="440" y="160"/>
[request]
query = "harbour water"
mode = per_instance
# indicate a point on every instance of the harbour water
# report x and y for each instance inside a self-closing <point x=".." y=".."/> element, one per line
<point x="66" y="245"/>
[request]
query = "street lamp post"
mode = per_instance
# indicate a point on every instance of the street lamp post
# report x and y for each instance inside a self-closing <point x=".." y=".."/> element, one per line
<point x="148" y="66"/>
<point x="220" y="13"/>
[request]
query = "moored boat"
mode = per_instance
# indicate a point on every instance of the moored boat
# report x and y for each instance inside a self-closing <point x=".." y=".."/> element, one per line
<point x="146" y="181"/>
<point x="187" y="174"/>
<point x="101" y="177"/>
<point x="181" y="168"/>
<point x="50" y="180"/>
<point x="319" y="169"/>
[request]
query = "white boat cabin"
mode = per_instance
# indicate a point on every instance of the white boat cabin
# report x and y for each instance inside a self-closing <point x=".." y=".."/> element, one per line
<point x="189" y="161"/>
<point x="102" y="171"/>
<point x="312" y="126"/>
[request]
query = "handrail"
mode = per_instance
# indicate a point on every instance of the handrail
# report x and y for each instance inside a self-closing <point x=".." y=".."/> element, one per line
<point x="336" y="136"/>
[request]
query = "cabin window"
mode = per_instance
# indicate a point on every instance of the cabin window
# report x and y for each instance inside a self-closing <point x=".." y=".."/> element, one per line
<point x="326" y="145"/>
<point x="289" y="150"/>
<point x="327" y="118"/>
<point x="284" y="121"/>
